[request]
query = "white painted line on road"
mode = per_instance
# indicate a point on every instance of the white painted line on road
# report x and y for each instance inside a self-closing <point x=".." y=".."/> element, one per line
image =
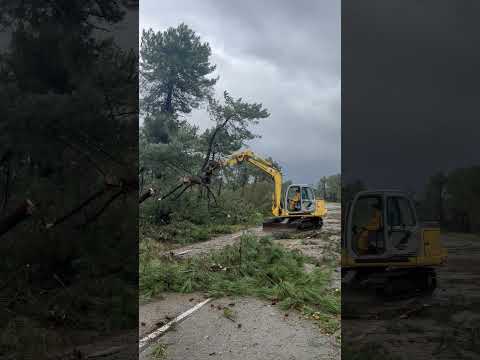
<point x="160" y="331"/>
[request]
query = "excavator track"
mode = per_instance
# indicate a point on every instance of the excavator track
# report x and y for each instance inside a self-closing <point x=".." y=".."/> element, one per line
<point x="401" y="283"/>
<point x="293" y="224"/>
<point x="414" y="282"/>
<point x="393" y="285"/>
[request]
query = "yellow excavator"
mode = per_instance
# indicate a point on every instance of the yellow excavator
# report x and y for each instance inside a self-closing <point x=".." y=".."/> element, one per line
<point x="297" y="208"/>
<point x="386" y="247"/>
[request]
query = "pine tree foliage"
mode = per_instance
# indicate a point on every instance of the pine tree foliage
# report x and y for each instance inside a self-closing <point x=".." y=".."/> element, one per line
<point x="175" y="68"/>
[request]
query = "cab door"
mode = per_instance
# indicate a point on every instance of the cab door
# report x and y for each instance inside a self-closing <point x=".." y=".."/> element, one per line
<point x="308" y="199"/>
<point x="402" y="226"/>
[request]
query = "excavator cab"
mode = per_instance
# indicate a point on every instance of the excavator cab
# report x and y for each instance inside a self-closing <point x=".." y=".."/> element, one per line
<point x="382" y="225"/>
<point x="300" y="199"/>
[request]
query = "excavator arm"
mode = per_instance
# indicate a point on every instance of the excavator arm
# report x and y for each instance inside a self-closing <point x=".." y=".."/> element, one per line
<point x="267" y="167"/>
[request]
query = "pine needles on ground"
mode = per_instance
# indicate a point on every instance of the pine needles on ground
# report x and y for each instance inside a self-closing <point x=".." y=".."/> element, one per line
<point x="252" y="267"/>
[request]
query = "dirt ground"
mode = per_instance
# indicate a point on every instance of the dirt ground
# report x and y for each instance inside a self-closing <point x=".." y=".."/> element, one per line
<point x="321" y="245"/>
<point x="262" y="330"/>
<point x="216" y="243"/>
<point x="444" y="325"/>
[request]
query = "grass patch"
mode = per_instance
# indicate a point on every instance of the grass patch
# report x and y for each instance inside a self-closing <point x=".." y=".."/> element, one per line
<point x="329" y="324"/>
<point x="159" y="352"/>
<point x="253" y="266"/>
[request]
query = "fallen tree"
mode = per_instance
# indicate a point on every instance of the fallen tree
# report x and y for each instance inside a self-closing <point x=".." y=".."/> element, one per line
<point x="232" y="120"/>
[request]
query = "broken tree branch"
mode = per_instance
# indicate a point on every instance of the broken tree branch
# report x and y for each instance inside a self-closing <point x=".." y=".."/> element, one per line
<point x="211" y="141"/>
<point x="170" y="192"/>
<point x="104" y="207"/>
<point x="77" y="209"/>
<point x="184" y="189"/>
<point x="110" y="183"/>
<point x="146" y="195"/>
<point x="21" y="213"/>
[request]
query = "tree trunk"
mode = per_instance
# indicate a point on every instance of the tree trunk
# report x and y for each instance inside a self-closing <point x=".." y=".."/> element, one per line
<point x="167" y="107"/>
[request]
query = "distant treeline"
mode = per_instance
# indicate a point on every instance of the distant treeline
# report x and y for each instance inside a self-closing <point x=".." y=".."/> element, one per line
<point x="330" y="188"/>
<point x="453" y="199"/>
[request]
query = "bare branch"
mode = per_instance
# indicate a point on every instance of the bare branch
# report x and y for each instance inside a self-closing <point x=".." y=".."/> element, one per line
<point x="181" y="192"/>
<point x="104" y="207"/>
<point x="77" y="209"/>
<point x="110" y="183"/>
<point x="170" y="192"/>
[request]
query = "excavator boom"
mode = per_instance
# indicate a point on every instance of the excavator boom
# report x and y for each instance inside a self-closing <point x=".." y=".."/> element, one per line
<point x="265" y="166"/>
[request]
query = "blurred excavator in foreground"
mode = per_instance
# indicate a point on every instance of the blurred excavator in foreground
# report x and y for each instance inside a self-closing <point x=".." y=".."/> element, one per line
<point x="297" y="208"/>
<point x="386" y="247"/>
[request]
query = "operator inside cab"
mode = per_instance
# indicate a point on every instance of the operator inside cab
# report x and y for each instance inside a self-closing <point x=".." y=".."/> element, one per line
<point x="371" y="239"/>
<point x="295" y="201"/>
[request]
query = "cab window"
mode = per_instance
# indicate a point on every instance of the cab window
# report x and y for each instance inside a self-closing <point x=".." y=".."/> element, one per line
<point x="307" y="194"/>
<point x="399" y="212"/>
<point x="293" y="198"/>
<point x="307" y="199"/>
<point x="364" y="210"/>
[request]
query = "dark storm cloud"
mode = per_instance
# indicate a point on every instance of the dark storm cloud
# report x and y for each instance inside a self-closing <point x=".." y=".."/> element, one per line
<point x="285" y="55"/>
<point x="410" y="89"/>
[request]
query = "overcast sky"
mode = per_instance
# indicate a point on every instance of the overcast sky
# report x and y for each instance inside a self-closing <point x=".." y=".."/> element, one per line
<point x="410" y="78"/>
<point x="285" y="55"/>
